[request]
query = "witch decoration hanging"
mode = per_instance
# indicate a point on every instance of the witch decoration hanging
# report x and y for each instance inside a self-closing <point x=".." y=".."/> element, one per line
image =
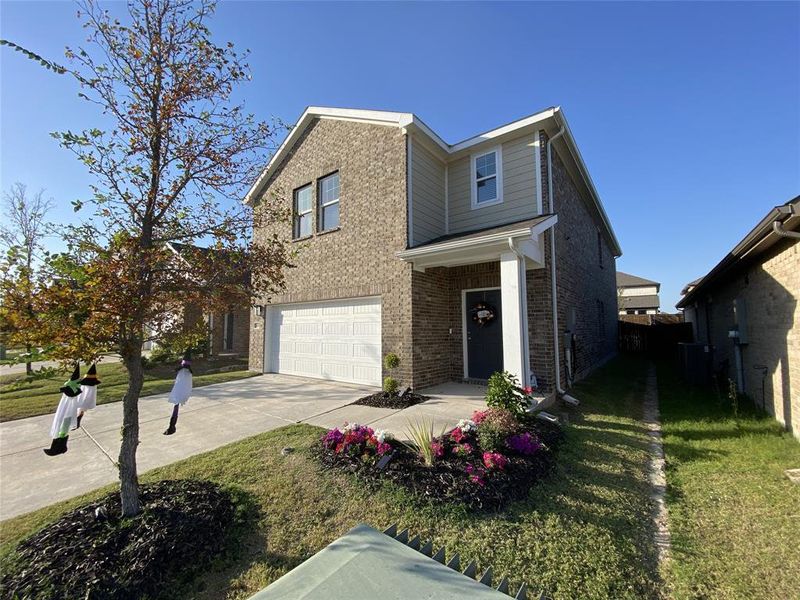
<point x="181" y="390"/>
<point x="66" y="416"/>
<point x="88" y="398"/>
<point x="483" y="314"/>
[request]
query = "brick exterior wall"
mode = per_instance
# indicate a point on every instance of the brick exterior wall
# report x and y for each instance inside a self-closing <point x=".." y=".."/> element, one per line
<point x="359" y="258"/>
<point x="770" y="287"/>
<point x="241" y="332"/>
<point x="581" y="281"/>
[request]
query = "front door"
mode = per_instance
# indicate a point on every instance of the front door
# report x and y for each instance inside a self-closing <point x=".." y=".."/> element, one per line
<point x="484" y="333"/>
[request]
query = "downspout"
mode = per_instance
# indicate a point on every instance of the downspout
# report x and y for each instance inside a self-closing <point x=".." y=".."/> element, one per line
<point x="777" y="227"/>
<point x="559" y="390"/>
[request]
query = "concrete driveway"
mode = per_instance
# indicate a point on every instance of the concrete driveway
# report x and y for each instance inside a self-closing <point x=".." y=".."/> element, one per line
<point x="216" y="415"/>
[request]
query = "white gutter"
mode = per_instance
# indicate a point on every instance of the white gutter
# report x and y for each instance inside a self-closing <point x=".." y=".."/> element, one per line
<point x="559" y="390"/>
<point x="478" y="241"/>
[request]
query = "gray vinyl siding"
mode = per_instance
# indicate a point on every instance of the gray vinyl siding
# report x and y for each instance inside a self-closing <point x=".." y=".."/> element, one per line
<point x="519" y="189"/>
<point x="427" y="194"/>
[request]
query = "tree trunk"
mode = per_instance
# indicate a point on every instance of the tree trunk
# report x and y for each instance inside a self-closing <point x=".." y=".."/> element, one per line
<point x="128" y="478"/>
<point x="28" y="366"/>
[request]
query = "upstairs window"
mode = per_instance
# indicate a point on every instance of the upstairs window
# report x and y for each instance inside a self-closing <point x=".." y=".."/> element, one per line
<point x="301" y="226"/>
<point x="487" y="179"/>
<point x="329" y="202"/>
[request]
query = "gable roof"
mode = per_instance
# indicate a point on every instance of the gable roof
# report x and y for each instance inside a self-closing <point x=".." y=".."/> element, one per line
<point x="650" y="301"/>
<point x="688" y="287"/>
<point x="628" y="280"/>
<point x="769" y="231"/>
<point x="552" y="120"/>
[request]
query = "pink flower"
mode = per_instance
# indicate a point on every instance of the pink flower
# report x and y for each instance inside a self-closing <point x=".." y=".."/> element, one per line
<point x="476" y="474"/>
<point x="494" y="460"/>
<point x="479" y="415"/>
<point x="456" y="435"/>
<point x="438" y="449"/>
<point x="528" y="390"/>
<point x="462" y="450"/>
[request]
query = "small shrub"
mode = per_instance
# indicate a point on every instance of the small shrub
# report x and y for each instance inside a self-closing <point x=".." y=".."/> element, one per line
<point x="496" y="425"/>
<point x="491" y="438"/>
<point x="390" y="385"/>
<point x="391" y="361"/>
<point x="503" y="391"/>
<point x="423" y="442"/>
<point x="162" y="354"/>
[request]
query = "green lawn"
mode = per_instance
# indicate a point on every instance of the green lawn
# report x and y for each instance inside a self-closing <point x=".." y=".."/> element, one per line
<point x="20" y="398"/>
<point x="583" y="533"/>
<point x="733" y="515"/>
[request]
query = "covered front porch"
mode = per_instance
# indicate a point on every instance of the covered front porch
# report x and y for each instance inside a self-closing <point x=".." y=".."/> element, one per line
<point x="487" y="312"/>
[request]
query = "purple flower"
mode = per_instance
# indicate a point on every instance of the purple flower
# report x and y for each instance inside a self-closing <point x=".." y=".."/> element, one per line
<point x="332" y="438"/>
<point x="523" y="443"/>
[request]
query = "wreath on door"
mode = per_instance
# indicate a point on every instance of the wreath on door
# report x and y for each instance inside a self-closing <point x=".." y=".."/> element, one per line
<point x="483" y="314"/>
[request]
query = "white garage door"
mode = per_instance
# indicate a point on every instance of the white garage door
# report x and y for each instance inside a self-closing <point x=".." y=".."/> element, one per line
<point x="338" y="339"/>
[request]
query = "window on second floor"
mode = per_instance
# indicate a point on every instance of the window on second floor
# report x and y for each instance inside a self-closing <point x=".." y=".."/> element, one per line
<point x="328" y="203"/>
<point x="301" y="225"/>
<point x="487" y="179"/>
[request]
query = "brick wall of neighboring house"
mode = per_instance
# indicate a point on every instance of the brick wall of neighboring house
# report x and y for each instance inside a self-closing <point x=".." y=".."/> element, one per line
<point x="582" y="282"/>
<point x="770" y="287"/>
<point x="241" y="332"/>
<point x="359" y="258"/>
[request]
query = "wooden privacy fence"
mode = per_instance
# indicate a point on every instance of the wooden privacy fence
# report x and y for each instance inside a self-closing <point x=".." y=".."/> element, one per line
<point x="657" y="339"/>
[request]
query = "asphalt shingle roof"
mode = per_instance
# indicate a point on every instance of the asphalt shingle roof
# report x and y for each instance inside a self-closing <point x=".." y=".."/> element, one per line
<point x="650" y="301"/>
<point x="628" y="280"/>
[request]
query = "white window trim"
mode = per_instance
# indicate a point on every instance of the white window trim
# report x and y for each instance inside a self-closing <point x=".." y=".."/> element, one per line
<point x="473" y="184"/>
<point x="323" y="205"/>
<point x="297" y="234"/>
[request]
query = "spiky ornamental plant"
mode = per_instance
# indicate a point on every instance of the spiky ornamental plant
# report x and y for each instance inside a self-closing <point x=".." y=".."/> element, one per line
<point x="176" y="150"/>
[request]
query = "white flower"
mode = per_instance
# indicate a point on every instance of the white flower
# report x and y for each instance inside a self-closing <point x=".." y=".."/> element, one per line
<point x="467" y="425"/>
<point x="381" y="435"/>
<point x="350" y="427"/>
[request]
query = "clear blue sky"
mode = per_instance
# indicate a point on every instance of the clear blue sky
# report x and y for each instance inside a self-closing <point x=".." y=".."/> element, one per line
<point x="687" y="114"/>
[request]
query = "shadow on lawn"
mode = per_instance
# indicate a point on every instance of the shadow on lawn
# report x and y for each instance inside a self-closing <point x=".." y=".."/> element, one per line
<point x="601" y="479"/>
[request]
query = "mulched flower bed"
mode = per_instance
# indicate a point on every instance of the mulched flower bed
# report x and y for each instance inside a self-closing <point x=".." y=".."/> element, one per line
<point x="391" y="400"/>
<point x="459" y="475"/>
<point x="93" y="553"/>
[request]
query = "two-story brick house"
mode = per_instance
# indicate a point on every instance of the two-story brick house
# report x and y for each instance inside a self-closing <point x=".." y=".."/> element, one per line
<point x="442" y="253"/>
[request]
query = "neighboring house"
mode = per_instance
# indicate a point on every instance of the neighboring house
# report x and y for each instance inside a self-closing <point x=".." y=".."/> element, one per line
<point x="228" y="331"/>
<point x="636" y="295"/>
<point x="440" y="253"/>
<point x="746" y="310"/>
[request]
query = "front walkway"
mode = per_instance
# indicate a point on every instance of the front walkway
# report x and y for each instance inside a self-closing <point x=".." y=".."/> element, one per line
<point x="216" y="415"/>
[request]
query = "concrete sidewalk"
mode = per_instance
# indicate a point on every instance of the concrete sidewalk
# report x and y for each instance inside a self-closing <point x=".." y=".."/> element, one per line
<point x="216" y="415"/>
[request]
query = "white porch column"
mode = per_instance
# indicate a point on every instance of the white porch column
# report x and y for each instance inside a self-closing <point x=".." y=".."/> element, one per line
<point x="513" y="294"/>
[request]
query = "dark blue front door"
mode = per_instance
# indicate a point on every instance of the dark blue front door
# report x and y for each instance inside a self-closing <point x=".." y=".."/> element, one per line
<point x="484" y="334"/>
